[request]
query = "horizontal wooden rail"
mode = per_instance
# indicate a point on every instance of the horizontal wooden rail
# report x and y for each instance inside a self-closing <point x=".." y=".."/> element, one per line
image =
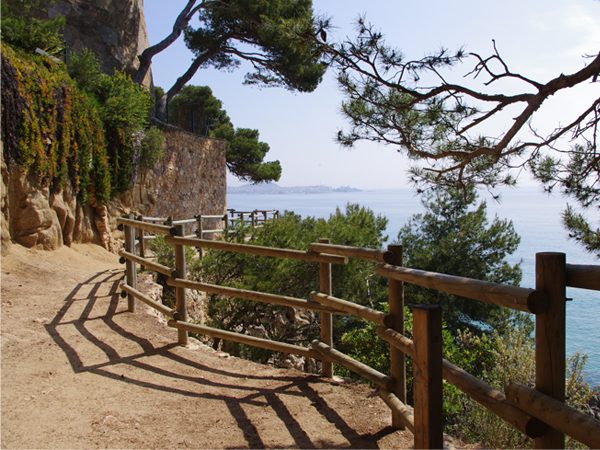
<point x="363" y="312"/>
<point x="212" y="231"/>
<point x="184" y="221"/>
<point x="363" y="370"/>
<point x="164" y="229"/>
<point x="257" y="250"/>
<point x="563" y="418"/>
<point x="584" y="277"/>
<point x="246" y="339"/>
<point x="153" y="219"/>
<point x="396" y="339"/>
<point x="522" y="299"/>
<point x="168" y="271"/>
<point x="479" y="391"/>
<point x="148" y="301"/>
<point x="222" y="216"/>
<point x="405" y="412"/>
<point x="252" y="295"/>
<point x="382" y="256"/>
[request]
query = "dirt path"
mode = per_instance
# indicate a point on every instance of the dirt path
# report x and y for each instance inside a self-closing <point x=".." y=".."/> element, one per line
<point x="79" y="371"/>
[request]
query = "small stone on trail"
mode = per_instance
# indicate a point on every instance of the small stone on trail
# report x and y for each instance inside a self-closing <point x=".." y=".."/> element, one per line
<point x="111" y="420"/>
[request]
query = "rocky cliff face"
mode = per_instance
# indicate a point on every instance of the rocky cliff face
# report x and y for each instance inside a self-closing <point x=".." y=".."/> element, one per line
<point x="190" y="179"/>
<point x="115" y="30"/>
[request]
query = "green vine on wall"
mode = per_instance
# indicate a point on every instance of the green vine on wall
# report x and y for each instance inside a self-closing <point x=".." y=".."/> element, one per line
<point x="84" y="126"/>
<point x="61" y="134"/>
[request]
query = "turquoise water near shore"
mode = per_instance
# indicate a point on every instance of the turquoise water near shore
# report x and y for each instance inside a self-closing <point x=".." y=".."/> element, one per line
<point x="535" y="215"/>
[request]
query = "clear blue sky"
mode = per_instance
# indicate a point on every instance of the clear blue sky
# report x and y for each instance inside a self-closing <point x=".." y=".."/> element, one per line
<point x="539" y="39"/>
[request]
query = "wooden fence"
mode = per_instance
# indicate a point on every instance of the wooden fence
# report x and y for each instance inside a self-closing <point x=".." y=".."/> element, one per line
<point x="539" y="413"/>
<point x="255" y="218"/>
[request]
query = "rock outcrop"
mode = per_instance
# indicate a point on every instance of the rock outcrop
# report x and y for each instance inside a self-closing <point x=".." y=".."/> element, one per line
<point x="190" y="179"/>
<point x="115" y="30"/>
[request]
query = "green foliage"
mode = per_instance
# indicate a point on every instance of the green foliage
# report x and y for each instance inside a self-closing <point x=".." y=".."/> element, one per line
<point x="271" y="34"/>
<point x="454" y="239"/>
<point x="577" y="176"/>
<point x="356" y="282"/>
<point x="92" y="133"/>
<point x="61" y="136"/>
<point x="245" y="153"/>
<point x="28" y="33"/>
<point x="124" y="108"/>
<point x="512" y="358"/>
<point x="443" y="127"/>
<point x="165" y="253"/>
<point x="150" y="146"/>
<point x="469" y="352"/>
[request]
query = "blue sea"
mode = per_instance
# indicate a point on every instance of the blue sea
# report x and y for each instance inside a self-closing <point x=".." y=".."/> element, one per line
<point x="535" y="215"/>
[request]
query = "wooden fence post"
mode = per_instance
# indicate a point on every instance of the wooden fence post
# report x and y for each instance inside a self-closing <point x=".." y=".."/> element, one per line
<point x="130" y="267"/>
<point x="550" y="352"/>
<point x="397" y="356"/>
<point x="200" y="234"/>
<point x="180" y="266"/>
<point x="141" y="242"/>
<point x="326" y="318"/>
<point x="427" y="373"/>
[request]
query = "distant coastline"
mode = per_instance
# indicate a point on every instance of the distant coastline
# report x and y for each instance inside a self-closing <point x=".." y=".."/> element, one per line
<point x="274" y="188"/>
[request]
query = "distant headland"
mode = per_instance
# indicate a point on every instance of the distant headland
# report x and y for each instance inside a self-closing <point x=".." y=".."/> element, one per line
<point x="274" y="188"/>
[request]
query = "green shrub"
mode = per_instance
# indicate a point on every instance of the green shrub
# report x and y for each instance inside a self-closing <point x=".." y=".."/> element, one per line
<point x="61" y="135"/>
<point x="28" y="33"/>
<point x="124" y="107"/>
<point x="357" y="226"/>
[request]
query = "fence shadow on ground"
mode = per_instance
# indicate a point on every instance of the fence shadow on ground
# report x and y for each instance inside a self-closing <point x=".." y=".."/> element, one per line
<point x="95" y="334"/>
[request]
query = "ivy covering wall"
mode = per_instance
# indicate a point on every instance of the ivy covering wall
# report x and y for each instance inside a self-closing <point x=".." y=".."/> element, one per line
<point x="78" y="125"/>
<point x="51" y="127"/>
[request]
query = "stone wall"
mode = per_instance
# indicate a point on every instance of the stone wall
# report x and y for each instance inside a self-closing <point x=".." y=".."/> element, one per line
<point x="189" y="179"/>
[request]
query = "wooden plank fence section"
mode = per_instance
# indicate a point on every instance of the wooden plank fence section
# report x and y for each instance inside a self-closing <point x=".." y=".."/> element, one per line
<point x="326" y="318"/>
<point x="254" y="296"/>
<point x="163" y="229"/>
<point x="555" y="413"/>
<point x="168" y="271"/>
<point x="383" y="256"/>
<point x="404" y="412"/>
<point x="427" y="375"/>
<point x="257" y="250"/>
<point x="397" y="357"/>
<point x="180" y="292"/>
<point x="354" y="309"/>
<point x="130" y="269"/>
<point x="584" y="277"/>
<point x="363" y="370"/>
<point x="522" y="299"/>
<point x="148" y="301"/>
<point x="550" y="346"/>
<point x="246" y="339"/>
<point x="479" y="391"/>
<point x="540" y="414"/>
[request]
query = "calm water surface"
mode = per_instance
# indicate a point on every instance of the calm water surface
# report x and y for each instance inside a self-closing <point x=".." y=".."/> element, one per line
<point x="536" y="217"/>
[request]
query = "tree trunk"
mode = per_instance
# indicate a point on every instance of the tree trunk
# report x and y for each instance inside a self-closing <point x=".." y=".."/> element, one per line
<point x="147" y="55"/>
